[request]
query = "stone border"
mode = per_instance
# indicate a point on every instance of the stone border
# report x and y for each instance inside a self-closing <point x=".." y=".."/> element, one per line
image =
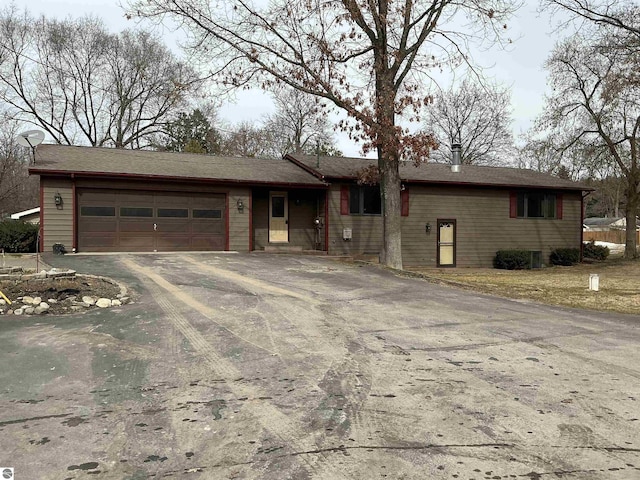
<point x="18" y="274"/>
<point x="28" y="305"/>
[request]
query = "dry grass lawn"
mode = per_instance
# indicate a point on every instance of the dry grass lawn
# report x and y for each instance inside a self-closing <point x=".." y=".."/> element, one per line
<point x="567" y="286"/>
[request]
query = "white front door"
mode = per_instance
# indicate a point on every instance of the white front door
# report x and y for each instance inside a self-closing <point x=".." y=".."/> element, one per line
<point x="446" y="243"/>
<point x="278" y="217"/>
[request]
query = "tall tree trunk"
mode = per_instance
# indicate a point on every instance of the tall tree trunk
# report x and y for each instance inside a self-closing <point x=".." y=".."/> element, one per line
<point x="388" y="146"/>
<point x="390" y="190"/>
<point x="633" y="202"/>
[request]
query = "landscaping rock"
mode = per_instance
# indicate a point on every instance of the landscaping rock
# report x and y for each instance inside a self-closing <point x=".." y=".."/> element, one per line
<point x="103" y="303"/>
<point x="124" y="300"/>
<point x="34" y="276"/>
<point x="59" y="296"/>
<point x="89" y="300"/>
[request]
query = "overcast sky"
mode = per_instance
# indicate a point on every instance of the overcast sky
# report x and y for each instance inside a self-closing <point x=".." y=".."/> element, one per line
<point x="520" y="67"/>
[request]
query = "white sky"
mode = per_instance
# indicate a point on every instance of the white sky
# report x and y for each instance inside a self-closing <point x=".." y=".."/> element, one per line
<point x="520" y="67"/>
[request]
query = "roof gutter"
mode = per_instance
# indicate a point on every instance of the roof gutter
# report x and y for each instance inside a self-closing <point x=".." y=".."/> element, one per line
<point x="133" y="176"/>
<point x="472" y="184"/>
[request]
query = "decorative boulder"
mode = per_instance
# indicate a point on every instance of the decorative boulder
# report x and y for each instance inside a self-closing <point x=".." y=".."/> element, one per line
<point x="103" y="303"/>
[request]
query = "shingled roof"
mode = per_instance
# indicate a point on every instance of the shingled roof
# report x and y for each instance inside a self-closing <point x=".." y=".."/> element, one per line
<point x="91" y="161"/>
<point x="346" y="168"/>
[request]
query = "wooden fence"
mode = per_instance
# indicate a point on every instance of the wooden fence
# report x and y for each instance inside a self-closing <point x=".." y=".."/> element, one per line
<point x="612" y="236"/>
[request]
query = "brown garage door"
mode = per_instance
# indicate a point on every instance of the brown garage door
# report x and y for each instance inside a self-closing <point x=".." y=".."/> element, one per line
<point x="119" y="220"/>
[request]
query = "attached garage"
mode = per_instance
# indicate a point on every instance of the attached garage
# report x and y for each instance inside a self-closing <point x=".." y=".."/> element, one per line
<point x="120" y="200"/>
<point x="124" y="220"/>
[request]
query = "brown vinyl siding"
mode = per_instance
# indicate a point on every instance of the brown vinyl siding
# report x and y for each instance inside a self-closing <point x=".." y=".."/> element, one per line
<point x="366" y="229"/>
<point x="260" y="219"/>
<point x="239" y="234"/>
<point x="483" y="225"/>
<point x="57" y="222"/>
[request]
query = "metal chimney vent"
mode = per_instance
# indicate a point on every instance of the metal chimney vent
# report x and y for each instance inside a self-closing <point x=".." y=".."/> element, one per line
<point x="456" y="149"/>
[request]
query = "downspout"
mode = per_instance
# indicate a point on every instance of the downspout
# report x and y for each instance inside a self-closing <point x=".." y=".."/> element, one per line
<point x="41" y="245"/>
<point x="251" y="221"/>
<point x="74" y="201"/>
<point x="584" y="195"/>
<point x="326" y="220"/>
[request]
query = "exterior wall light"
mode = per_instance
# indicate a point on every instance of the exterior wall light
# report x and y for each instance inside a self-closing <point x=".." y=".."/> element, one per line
<point x="427" y="228"/>
<point x="57" y="199"/>
<point x="240" y="205"/>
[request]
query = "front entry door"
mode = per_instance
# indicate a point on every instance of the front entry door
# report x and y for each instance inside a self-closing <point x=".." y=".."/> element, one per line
<point x="278" y="217"/>
<point x="446" y="243"/>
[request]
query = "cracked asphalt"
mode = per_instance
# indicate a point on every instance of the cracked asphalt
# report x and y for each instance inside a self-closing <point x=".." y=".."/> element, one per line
<point x="232" y="366"/>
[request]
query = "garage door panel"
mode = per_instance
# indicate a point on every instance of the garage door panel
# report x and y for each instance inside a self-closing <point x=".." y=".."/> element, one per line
<point x="129" y="241"/>
<point x="208" y="243"/>
<point x="99" y="225"/>
<point x="174" y="242"/>
<point x="183" y="221"/>
<point x="131" y="226"/>
<point x="100" y="241"/>
<point x="210" y="227"/>
<point x="169" y="227"/>
<point x="106" y="196"/>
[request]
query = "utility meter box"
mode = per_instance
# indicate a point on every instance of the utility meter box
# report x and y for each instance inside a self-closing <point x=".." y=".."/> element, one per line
<point x="347" y="234"/>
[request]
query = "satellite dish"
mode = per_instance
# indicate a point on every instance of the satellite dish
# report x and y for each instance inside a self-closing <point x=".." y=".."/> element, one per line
<point x="30" y="138"/>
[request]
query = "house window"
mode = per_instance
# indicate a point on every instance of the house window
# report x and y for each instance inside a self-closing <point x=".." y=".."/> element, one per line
<point x="536" y="205"/>
<point x="364" y="200"/>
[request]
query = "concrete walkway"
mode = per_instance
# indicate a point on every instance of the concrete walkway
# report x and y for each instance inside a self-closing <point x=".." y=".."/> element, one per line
<point x="28" y="261"/>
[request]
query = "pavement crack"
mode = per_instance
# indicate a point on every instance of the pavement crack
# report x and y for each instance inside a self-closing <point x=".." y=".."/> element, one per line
<point x="31" y="419"/>
<point x="345" y="448"/>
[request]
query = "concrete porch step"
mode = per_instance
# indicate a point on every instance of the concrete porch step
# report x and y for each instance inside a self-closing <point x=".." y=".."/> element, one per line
<point x="282" y="249"/>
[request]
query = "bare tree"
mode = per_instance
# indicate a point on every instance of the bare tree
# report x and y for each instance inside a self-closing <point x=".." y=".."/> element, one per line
<point x="299" y="124"/>
<point x="248" y="140"/>
<point x="594" y="103"/>
<point x="559" y="153"/>
<point x="607" y="199"/>
<point x="82" y="84"/>
<point x="479" y="116"/>
<point x="619" y="14"/>
<point x="17" y="190"/>
<point x="368" y="58"/>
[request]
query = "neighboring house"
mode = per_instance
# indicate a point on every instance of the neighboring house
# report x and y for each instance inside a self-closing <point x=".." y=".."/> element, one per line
<point x="97" y="199"/>
<point x="598" y="224"/>
<point x="31" y="216"/>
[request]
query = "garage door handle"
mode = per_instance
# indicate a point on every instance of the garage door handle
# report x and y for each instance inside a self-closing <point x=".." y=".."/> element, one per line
<point x="155" y="227"/>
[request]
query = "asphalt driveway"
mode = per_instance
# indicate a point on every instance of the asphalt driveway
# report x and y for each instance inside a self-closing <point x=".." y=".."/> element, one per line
<point x="286" y="367"/>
